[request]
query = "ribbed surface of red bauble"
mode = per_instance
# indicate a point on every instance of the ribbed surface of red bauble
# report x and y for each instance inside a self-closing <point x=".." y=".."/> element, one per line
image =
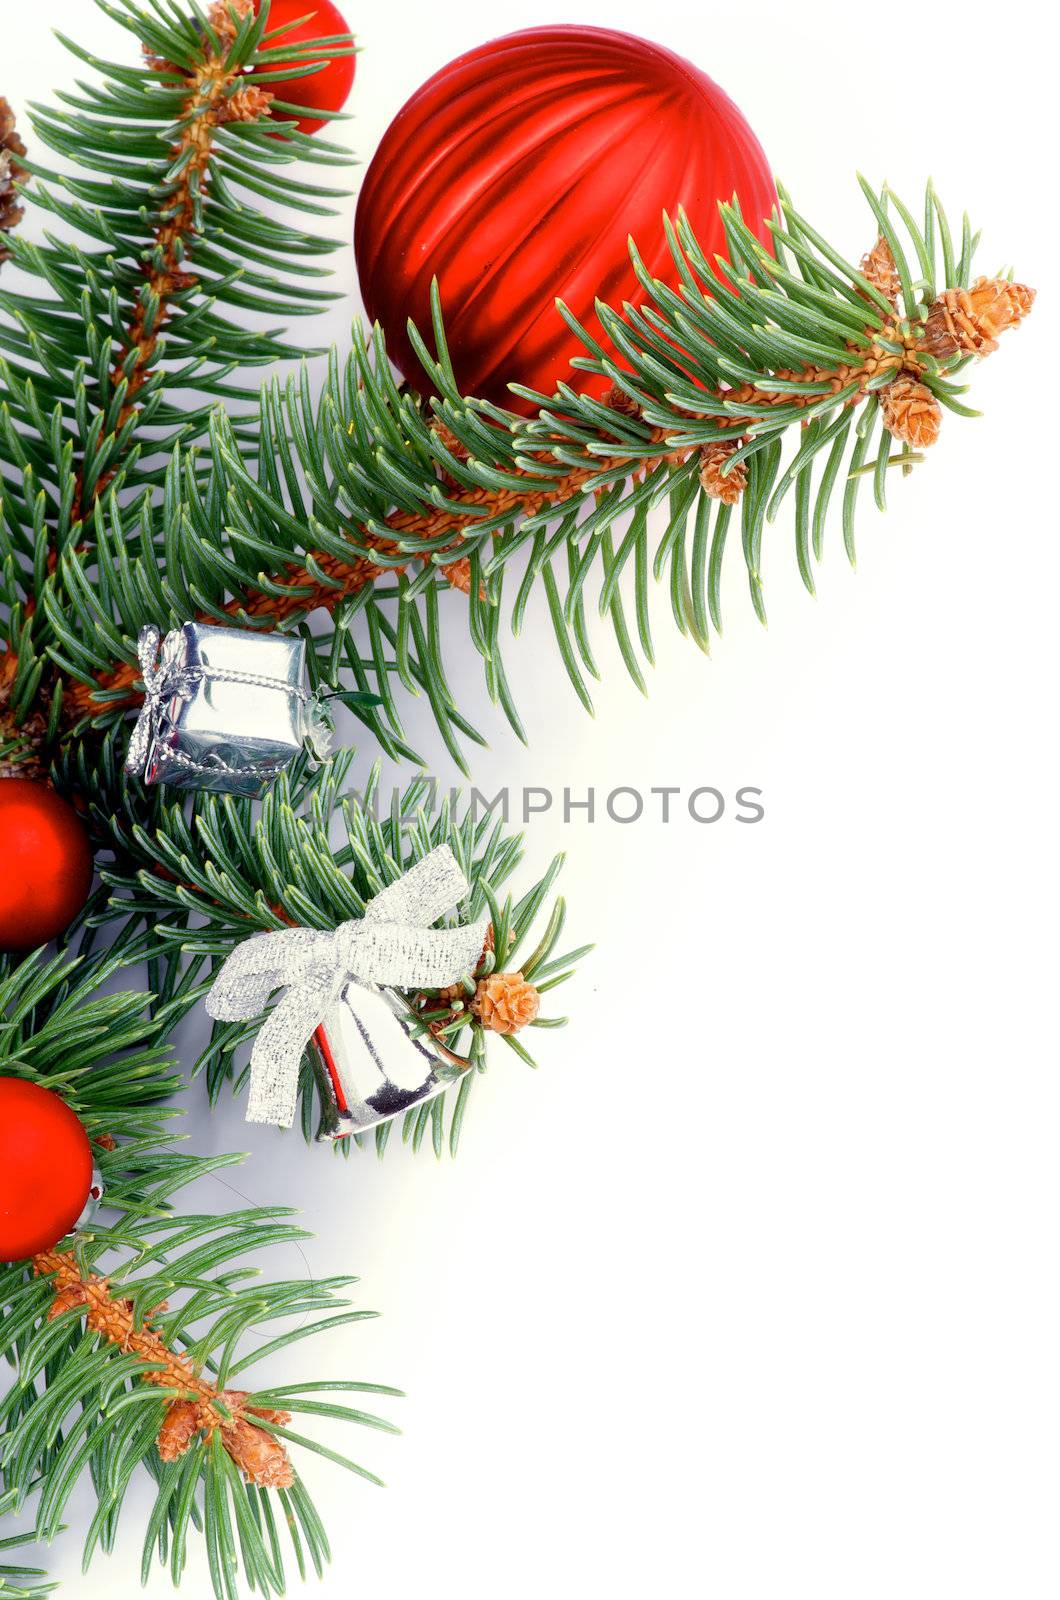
<point x="45" y="1169"/>
<point x="47" y="864"/>
<point x="326" y="90"/>
<point x="517" y="173"/>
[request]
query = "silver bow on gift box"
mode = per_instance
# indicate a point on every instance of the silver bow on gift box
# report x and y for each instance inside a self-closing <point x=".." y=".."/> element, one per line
<point x="164" y="673"/>
<point x="338" y="982"/>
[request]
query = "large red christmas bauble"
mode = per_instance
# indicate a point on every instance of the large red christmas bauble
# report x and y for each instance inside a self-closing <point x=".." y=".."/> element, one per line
<point x="45" y="1169"/>
<point x="326" y="90"/>
<point x="517" y="174"/>
<point x="47" y="864"/>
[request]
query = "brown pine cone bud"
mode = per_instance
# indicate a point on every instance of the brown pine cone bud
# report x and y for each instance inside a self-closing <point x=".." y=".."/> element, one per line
<point x="11" y="172"/>
<point x="248" y="104"/>
<point x="720" y="485"/>
<point x="65" y="1300"/>
<point x="236" y="1400"/>
<point x="260" y="1457"/>
<point x="504" y="1002"/>
<point x="968" y="321"/>
<point x="617" y="399"/>
<point x="179" y="1426"/>
<point x="224" y="17"/>
<point x="911" y="412"/>
<point x="878" y="266"/>
<point x="447" y="437"/>
<point x="458" y="574"/>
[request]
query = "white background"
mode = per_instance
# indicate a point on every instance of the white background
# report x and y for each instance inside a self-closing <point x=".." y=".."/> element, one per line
<point x="751" y="1291"/>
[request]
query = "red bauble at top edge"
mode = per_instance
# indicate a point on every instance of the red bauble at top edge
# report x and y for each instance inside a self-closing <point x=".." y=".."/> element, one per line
<point x="45" y="1169"/>
<point x="326" y="90"/>
<point x="517" y="174"/>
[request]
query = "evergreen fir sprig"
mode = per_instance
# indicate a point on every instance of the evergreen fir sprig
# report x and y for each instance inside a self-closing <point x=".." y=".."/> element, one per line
<point x="115" y="350"/>
<point x="192" y="876"/>
<point x="148" y="564"/>
<point x="129" y="1340"/>
<point x="370" y="502"/>
<point x="118" y="348"/>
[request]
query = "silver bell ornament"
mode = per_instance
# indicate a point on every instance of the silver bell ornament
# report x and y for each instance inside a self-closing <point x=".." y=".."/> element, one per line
<point x="225" y="709"/>
<point x="371" y="1068"/>
<point x="343" y="1001"/>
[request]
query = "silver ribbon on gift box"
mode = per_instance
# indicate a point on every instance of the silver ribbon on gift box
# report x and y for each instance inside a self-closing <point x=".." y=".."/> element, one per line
<point x="339" y="982"/>
<point x="224" y="708"/>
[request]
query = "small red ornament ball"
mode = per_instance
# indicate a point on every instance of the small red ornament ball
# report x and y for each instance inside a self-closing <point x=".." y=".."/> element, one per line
<point x="327" y="90"/>
<point x="518" y="173"/>
<point x="45" y="1169"/>
<point x="46" y="864"/>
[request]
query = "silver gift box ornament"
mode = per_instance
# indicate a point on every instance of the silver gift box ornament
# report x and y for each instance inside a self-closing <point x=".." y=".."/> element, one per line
<point x="370" y="1072"/>
<point x="225" y="708"/>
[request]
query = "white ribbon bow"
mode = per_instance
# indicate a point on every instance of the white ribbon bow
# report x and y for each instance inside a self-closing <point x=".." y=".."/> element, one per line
<point x="392" y="945"/>
<point x="164" y="675"/>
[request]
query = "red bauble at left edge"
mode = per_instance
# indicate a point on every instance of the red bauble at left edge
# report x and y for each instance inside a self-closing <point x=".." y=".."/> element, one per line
<point x="45" y="1169"/>
<point x="517" y="175"/>
<point x="47" y="864"/>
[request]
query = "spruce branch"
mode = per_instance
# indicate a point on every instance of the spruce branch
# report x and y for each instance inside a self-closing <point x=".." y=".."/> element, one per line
<point x="115" y="350"/>
<point x="172" y="159"/>
<point x="200" y="1407"/>
<point x="369" y="502"/>
<point x="214" y="97"/>
<point x="190" y="877"/>
<point x="129" y="1339"/>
